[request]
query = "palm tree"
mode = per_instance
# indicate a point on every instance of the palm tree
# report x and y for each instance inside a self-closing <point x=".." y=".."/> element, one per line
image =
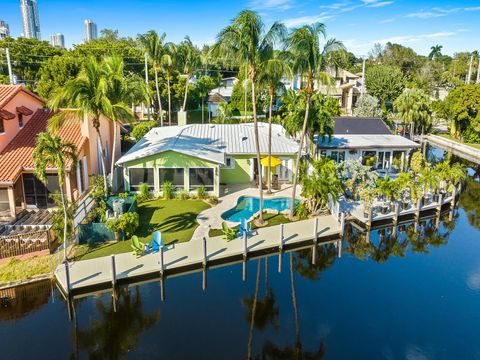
<point x="436" y="51"/>
<point x="152" y="44"/>
<point x="413" y="107"/>
<point x="245" y="40"/>
<point x="51" y="150"/>
<point x="121" y="91"/>
<point x="309" y="61"/>
<point x="188" y="58"/>
<point x="271" y="74"/>
<point x="86" y="97"/>
<point x="168" y="64"/>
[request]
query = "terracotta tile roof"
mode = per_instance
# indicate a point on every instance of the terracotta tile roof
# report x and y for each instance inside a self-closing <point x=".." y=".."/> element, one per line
<point x="17" y="156"/>
<point x="8" y="92"/>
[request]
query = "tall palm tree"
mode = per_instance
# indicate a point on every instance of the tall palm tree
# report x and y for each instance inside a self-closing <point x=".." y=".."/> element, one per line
<point x="152" y="44"/>
<point x="86" y="99"/>
<point x="413" y="107"/>
<point x="271" y="73"/>
<point x="52" y="151"/>
<point x="309" y="61"/>
<point x="168" y="63"/>
<point x="121" y="91"/>
<point x="245" y="40"/>
<point x="189" y="59"/>
<point x="436" y="51"/>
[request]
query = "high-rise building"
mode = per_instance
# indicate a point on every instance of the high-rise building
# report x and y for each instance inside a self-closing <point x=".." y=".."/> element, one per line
<point x="57" y="40"/>
<point x="90" y="30"/>
<point x="4" y="30"/>
<point x="30" y="19"/>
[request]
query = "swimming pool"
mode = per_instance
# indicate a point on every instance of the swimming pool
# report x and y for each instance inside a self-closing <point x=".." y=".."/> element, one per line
<point x="247" y="206"/>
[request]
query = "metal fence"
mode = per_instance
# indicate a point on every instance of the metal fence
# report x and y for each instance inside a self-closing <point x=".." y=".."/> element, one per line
<point x="94" y="232"/>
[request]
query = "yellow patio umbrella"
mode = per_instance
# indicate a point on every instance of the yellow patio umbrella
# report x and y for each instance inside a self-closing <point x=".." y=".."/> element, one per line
<point x="273" y="161"/>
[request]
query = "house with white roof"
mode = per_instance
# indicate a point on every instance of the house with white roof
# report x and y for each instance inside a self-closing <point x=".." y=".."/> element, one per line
<point x="369" y="141"/>
<point x="208" y="155"/>
<point x="223" y="93"/>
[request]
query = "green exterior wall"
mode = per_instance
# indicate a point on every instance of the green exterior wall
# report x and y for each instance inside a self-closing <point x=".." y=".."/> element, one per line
<point x="238" y="175"/>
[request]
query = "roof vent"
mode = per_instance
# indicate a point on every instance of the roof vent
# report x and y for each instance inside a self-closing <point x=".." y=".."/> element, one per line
<point x="244" y="138"/>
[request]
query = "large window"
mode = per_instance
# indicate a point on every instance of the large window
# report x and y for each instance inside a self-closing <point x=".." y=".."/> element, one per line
<point x="338" y="156"/>
<point x="4" y="202"/>
<point x="201" y="176"/>
<point x="20" y="120"/>
<point x="139" y="176"/>
<point x="173" y="175"/>
<point x="36" y="193"/>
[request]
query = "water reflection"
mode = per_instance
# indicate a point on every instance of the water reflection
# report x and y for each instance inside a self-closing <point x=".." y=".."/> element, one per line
<point x="115" y="330"/>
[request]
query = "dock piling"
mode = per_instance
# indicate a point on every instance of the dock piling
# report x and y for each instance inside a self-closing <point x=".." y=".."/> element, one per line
<point x="342" y="224"/>
<point x="162" y="288"/>
<point x="280" y="249"/>
<point x="339" y="247"/>
<point x="114" y="273"/>
<point x="315" y="230"/>
<point x="160" y="260"/>
<point x="67" y="276"/>
<point x="314" y="254"/>
<point x="204" y="243"/>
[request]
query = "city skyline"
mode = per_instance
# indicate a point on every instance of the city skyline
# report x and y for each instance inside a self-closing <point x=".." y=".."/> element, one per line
<point x="4" y="29"/>
<point x="57" y="40"/>
<point x="30" y="19"/>
<point x="90" y="30"/>
<point x="358" y="23"/>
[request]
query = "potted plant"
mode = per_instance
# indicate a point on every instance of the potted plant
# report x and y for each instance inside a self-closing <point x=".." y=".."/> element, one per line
<point x="126" y="223"/>
<point x="367" y="195"/>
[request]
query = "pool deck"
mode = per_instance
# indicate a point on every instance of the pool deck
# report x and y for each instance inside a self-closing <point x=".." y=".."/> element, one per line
<point x="183" y="257"/>
<point x="211" y="218"/>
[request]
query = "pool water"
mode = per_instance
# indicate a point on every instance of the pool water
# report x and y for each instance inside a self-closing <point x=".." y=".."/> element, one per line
<point x="248" y="206"/>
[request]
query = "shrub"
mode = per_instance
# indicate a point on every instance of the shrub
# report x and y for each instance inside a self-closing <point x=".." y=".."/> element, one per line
<point x="144" y="192"/>
<point x="201" y="192"/>
<point x="213" y="200"/>
<point x="142" y="128"/>
<point x="123" y="195"/>
<point x="301" y="211"/>
<point x="183" y="195"/>
<point x="128" y="223"/>
<point x="167" y="189"/>
<point x="417" y="162"/>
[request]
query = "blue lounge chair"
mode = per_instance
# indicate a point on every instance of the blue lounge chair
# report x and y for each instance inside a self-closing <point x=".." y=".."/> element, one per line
<point x="245" y="226"/>
<point x="156" y="242"/>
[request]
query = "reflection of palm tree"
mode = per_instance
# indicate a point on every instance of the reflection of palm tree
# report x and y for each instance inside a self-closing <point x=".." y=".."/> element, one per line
<point x="252" y="310"/>
<point x="470" y="202"/>
<point x="326" y="256"/>
<point x="298" y="344"/>
<point x="112" y="334"/>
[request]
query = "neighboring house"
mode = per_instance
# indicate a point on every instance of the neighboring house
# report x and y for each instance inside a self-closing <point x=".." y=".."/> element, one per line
<point x="223" y="93"/>
<point x="19" y="187"/>
<point x="204" y="154"/>
<point x="361" y="139"/>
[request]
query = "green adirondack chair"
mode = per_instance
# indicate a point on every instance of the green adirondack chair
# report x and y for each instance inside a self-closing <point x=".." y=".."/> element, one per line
<point x="137" y="246"/>
<point x="228" y="234"/>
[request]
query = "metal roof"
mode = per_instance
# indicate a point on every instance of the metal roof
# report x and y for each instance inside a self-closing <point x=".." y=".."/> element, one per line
<point x="211" y="142"/>
<point x="368" y="142"/>
<point x="360" y="126"/>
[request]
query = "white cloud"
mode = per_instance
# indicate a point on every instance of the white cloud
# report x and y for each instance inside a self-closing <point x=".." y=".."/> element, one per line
<point x="380" y="4"/>
<point x="405" y="39"/>
<point x="272" y="4"/>
<point x="303" y="20"/>
<point x="439" y="12"/>
<point x="387" y="21"/>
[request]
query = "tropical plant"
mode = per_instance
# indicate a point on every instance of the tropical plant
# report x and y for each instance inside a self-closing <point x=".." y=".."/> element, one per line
<point x="183" y="195"/>
<point x="142" y="128"/>
<point x="436" y="52"/>
<point x="244" y="39"/>
<point x="212" y="199"/>
<point x="144" y="192"/>
<point x="449" y="175"/>
<point x="417" y="162"/>
<point x="128" y="223"/>
<point x="52" y="151"/>
<point x="86" y="99"/>
<point x="58" y="216"/>
<point x="321" y="184"/>
<point x="367" y="106"/>
<point x="386" y="83"/>
<point x="413" y="107"/>
<point x="309" y="60"/>
<point x="387" y="188"/>
<point x="367" y="196"/>
<point x="301" y="210"/>
<point x="167" y="190"/>
<point x="201" y="192"/>
<point x="168" y="62"/>
<point x="188" y="61"/>
<point x="152" y="44"/>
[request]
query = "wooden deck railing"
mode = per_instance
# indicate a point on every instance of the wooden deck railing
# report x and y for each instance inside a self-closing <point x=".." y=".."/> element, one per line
<point x="21" y="244"/>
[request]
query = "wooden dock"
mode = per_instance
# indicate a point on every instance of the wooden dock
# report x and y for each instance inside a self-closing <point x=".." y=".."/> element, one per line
<point x="106" y="272"/>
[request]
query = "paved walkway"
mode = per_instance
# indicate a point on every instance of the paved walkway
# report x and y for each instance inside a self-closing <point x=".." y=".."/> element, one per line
<point x="211" y="218"/>
<point x="181" y="256"/>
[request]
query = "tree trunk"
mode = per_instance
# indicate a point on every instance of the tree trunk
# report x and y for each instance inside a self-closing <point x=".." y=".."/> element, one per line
<point x="169" y="102"/>
<point x="269" y="171"/>
<point x="186" y="94"/>
<point x="299" y="155"/>
<point x="158" y="97"/>
<point x="203" y="115"/>
<point x="257" y="146"/>
<point x="65" y="221"/>
<point x="412" y="129"/>
<point x="114" y="144"/>
<point x="104" y="168"/>
<point x="254" y="309"/>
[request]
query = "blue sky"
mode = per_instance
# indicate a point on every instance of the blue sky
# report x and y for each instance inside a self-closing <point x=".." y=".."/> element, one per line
<point x="358" y="23"/>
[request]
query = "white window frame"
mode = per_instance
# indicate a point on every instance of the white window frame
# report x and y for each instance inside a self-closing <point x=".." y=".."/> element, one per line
<point x="195" y="187"/>
<point x="232" y="163"/>
<point x="151" y="187"/>
<point x="185" y="171"/>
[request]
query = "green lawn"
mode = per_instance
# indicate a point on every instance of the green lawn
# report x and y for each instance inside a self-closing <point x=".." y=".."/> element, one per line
<point x="176" y="219"/>
<point x="18" y="270"/>
<point x="270" y="218"/>
<point x="449" y="137"/>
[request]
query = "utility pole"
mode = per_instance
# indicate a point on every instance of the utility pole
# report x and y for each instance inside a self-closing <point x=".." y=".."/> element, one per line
<point x="469" y="71"/>
<point x="9" y="63"/>
<point x="146" y="86"/>
<point x="363" y="78"/>
<point x="478" y="70"/>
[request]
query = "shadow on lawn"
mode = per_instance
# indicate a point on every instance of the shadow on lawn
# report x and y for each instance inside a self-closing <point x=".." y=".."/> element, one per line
<point x="178" y="222"/>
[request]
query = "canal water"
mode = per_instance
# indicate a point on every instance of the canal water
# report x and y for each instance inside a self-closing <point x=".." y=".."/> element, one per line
<point x="409" y="296"/>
